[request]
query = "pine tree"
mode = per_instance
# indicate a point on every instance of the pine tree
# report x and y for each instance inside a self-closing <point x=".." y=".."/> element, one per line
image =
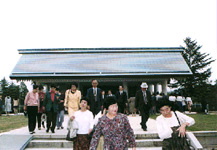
<point x="4" y="88"/>
<point x="199" y="63"/>
<point x="23" y="92"/>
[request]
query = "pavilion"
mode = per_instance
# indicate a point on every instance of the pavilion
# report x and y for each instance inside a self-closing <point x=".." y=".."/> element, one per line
<point x="127" y="66"/>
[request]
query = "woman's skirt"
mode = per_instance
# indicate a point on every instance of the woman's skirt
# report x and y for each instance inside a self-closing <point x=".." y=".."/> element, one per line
<point x="81" y="142"/>
<point x="175" y="142"/>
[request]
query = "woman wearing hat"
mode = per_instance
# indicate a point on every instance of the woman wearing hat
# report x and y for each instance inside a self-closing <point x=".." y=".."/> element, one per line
<point x="115" y="128"/>
<point x="72" y="99"/>
<point x="84" y="119"/>
<point x="171" y="126"/>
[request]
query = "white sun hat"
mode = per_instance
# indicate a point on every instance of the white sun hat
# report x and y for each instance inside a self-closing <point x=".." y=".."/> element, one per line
<point x="144" y="85"/>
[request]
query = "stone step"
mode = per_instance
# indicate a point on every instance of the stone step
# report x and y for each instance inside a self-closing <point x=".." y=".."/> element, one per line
<point x="138" y="148"/>
<point x="56" y="137"/>
<point x="68" y="144"/>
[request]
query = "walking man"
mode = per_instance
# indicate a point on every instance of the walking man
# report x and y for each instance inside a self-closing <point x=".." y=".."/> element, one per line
<point x="121" y="96"/>
<point x="60" y="113"/>
<point x="94" y="98"/>
<point x="143" y="102"/>
<point x="51" y="101"/>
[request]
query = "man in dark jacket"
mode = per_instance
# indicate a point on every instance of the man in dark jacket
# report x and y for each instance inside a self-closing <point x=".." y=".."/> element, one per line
<point x="51" y="101"/>
<point x="143" y="102"/>
<point x="121" y="96"/>
<point x="94" y="98"/>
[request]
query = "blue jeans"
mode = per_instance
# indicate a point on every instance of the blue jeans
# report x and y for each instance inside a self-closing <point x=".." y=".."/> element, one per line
<point x="60" y="118"/>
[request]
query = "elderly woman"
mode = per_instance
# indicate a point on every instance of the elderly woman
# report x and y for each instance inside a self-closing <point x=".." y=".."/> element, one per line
<point x="171" y="126"/>
<point x="72" y="99"/>
<point x="84" y="119"/>
<point x="115" y="128"/>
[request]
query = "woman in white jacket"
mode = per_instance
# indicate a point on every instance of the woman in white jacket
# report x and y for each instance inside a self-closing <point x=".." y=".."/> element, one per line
<point x="171" y="126"/>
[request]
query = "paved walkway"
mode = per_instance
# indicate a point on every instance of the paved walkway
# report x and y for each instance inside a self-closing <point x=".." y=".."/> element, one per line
<point x="134" y="121"/>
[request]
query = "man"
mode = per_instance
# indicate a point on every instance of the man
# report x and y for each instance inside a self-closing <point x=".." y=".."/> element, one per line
<point x="32" y="105"/>
<point x="94" y="98"/>
<point x="51" y="101"/>
<point x="60" y="113"/>
<point x="111" y="95"/>
<point x="103" y="97"/>
<point x="121" y="96"/>
<point x="143" y="102"/>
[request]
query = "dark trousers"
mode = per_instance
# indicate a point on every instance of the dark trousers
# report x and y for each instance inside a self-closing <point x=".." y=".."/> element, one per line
<point x="39" y="119"/>
<point x="51" y="118"/>
<point x="121" y="107"/>
<point x="145" y="116"/>
<point x="60" y="118"/>
<point x="32" y="112"/>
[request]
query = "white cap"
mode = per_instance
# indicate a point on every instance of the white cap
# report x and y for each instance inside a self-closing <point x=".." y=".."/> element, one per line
<point x="144" y="85"/>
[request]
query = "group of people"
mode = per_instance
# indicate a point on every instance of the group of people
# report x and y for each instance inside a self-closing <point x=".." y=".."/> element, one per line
<point x="103" y="116"/>
<point x="183" y="103"/>
<point x="44" y="107"/>
<point x="8" y="106"/>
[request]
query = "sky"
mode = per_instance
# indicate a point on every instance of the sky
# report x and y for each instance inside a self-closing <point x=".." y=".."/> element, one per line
<point x="27" y="24"/>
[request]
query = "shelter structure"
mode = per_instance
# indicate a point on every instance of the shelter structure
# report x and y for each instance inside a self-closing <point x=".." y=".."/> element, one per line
<point x="110" y="66"/>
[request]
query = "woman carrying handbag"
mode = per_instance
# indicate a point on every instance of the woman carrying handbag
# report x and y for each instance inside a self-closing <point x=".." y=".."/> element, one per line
<point x="171" y="126"/>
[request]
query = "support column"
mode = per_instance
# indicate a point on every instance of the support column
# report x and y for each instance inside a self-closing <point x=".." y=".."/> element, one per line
<point x="79" y="86"/>
<point x="125" y="87"/>
<point x="150" y="87"/>
<point x="164" y="87"/>
<point x="156" y="89"/>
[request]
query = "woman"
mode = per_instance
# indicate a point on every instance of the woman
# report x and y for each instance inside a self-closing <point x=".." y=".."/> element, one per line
<point x="171" y="126"/>
<point x="32" y="105"/>
<point x="41" y="94"/>
<point x="84" y="119"/>
<point x="189" y="102"/>
<point x="115" y="128"/>
<point x="15" y="104"/>
<point x="72" y="99"/>
<point x="7" y="105"/>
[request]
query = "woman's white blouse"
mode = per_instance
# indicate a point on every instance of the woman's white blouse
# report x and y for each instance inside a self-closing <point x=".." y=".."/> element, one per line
<point x="85" y="121"/>
<point x="164" y="124"/>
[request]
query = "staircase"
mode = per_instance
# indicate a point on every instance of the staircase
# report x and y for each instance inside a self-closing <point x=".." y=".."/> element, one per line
<point x="149" y="141"/>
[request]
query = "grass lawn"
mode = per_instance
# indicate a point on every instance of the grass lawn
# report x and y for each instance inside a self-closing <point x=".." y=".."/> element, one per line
<point x="202" y="122"/>
<point x="8" y="123"/>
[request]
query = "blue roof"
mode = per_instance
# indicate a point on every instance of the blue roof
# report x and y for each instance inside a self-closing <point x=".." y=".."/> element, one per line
<point x="100" y="62"/>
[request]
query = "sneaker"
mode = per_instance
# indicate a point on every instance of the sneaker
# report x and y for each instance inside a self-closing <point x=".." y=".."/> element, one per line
<point x="62" y="127"/>
<point x="31" y="132"/>
<point x="39" y="128"/>
<point x="58" y="128"/>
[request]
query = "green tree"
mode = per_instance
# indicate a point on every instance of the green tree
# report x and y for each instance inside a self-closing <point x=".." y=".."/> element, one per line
<point x="13" y="91"/>
<point x="23" y="91"/>
<point x="4" y="88"/>
<point x="199" y="63"/>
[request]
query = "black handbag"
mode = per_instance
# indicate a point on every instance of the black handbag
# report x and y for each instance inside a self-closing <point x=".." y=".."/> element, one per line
<point x="185" y="144"/>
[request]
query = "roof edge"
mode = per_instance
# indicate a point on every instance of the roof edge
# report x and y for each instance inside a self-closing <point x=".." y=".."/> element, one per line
<point x="100" y="50"/>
